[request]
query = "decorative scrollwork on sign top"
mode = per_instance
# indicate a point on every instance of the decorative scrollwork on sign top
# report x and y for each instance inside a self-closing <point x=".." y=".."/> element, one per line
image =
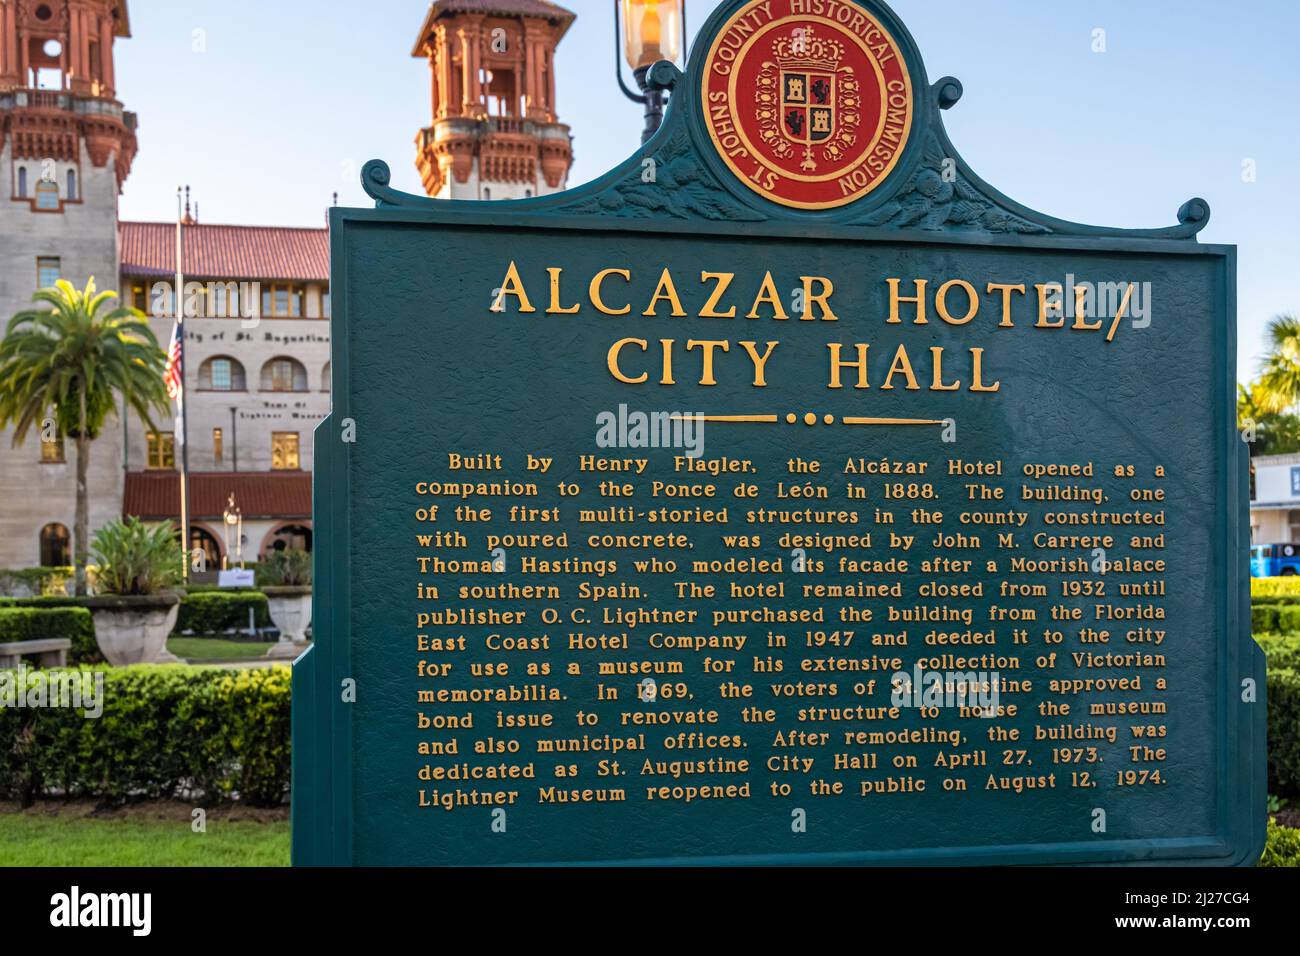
<point x="943" y="194"/>
<point x="938" y="197"/>
<point x="675" y="183"/>
<point x="375" y="180"/>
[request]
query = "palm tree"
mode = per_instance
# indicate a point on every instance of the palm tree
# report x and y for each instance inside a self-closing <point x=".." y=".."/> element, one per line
<point x="1279" y="372"/>
<point x="1273" y="433"/>
<point x="74" y="360"/>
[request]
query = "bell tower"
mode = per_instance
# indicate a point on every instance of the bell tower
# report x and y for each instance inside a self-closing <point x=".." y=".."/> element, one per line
<point x="58" y="93"/>
<point x="495" y="132"/>
<point x="66" y="147"/>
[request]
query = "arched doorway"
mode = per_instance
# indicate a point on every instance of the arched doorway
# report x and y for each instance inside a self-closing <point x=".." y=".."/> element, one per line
<point x="204" y="540"/>
<point x="288" y="536"/>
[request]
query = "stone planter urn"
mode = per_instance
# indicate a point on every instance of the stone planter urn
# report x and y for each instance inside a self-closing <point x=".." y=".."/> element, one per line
<point x="133" y="629"/>
<point x="290" y="608"/>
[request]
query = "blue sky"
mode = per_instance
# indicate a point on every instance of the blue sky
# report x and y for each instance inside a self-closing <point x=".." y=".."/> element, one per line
<point x="289" y="98"/>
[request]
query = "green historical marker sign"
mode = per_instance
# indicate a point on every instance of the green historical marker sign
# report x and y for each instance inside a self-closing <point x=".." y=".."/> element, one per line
<point x="787" y="495"/>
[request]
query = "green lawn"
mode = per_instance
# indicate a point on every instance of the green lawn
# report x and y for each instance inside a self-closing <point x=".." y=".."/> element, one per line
<point x="217" y="649"/>
<point x="33" y="839"/>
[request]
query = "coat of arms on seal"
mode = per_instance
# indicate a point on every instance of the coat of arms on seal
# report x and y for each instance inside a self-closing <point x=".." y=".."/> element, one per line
<point x="808" y="102"/>
<point x="806" y="99"/>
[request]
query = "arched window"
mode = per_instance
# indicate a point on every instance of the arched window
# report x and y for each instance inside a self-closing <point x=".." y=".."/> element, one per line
<point x="22" y="182"/>
<point x="55" y="549"/>
<point x="487" y="192"/>
<point x="326" y="378"/>
<point x="284" y="374"/>
<point x="72" y="185"/>
<point x="221" y="373"/>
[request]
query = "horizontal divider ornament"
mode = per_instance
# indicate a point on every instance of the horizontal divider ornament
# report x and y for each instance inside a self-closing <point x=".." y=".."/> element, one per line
<point x="809" y="418"/>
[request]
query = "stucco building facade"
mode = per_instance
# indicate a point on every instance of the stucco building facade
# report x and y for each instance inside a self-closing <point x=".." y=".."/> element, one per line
<point x="257" y="380"/>
<point x="256" y="299"/>
<point x="66" y="147"/>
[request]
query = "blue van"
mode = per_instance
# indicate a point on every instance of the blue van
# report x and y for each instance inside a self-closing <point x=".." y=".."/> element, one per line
<point x="1274" y="560"/>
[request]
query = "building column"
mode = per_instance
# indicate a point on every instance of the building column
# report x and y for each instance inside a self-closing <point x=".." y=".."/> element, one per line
<point x="435" y="69"/>
<point x="7" y="37"/>
<point x="472" y="93"/>
<point x="88" y="27"/>
<point x="534" y="51"/>
<point x="25" y="62"/>
<point x="445" y="103"/>
<point x="107" y="81"/>
<point x="79" y="27"/>
<point x="552" y="111"/>
<point x="535" y="104"/>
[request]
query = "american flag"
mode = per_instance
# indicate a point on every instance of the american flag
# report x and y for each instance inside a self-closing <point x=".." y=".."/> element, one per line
<point x="172" y="373"/>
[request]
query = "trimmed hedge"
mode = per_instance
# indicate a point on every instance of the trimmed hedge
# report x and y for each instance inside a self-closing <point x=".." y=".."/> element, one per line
<point x="202" y="611"/>
<point x="1264" y="618"/>
<point x="1283" y="730"/>
<point x="1282" y="650"/>
<point x="215" y="612"/>
<point x="1276" y="589"/>
<point x="27" y="623"/>
<point x="1288" y="618"/>
<point x="165" y="730"/>
<point x="46" y="601"/>
<point x="1282" y="846"/>
<point x="1271" y="617"/>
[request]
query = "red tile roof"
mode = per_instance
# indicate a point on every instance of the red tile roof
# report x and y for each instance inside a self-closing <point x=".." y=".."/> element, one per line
<point x="226" y="252"/>
<point x="156" y="495"/>
<point x="527" y="8"/>
<point x="505" y="8"/>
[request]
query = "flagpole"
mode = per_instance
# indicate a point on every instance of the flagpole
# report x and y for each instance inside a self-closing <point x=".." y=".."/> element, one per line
<point x="179" y="308"/>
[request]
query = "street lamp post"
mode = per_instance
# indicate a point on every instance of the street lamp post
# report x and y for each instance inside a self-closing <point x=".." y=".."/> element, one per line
<point x="651" y="30"/>
<point x="233" y="522"/>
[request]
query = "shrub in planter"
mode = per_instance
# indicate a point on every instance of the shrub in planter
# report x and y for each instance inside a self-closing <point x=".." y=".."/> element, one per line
<point x="39" y="623"/>
<point x="138" y="564"/>
<point x="214" y="612"/>
<point x="288" y="593"/>
<point x="288" y="568"/>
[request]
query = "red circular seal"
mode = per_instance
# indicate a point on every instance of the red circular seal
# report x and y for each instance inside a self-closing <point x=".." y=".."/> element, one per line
<point x="809" y="102"/>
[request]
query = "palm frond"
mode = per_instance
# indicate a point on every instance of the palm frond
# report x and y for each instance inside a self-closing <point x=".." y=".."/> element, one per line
<point x="50" y="357"/>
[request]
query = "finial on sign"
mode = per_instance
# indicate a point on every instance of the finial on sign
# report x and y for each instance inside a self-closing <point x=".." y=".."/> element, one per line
<point x="664" y="75"/>
<point x="947" y="92"/>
